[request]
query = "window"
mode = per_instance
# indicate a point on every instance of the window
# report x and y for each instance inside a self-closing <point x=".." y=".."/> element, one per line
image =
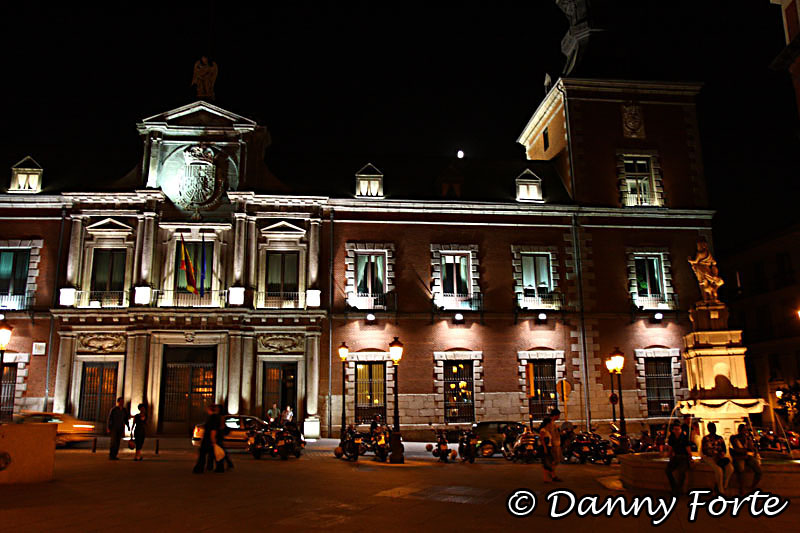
<point x="541" y="381"/>
<point x="658" y="382"/>
<point x="529" y="187"/>
<point x="370" y="274"/>
<point x="649" y="279"/>
<point x="638" y="181"/>
<point x="108" y="270"/>
<point x="369" y="182"/>
<point x="8" y="387"/>
<point x="370" y="391"/>
<point x="459" y="402"/>
<point x="545" y="139"/>
<point x="195" y="251"/>
<point x="536" y="279"/>
<point x="455" y="275"/>
<point x="282" y="273"/>
<point x="13" y="272"/>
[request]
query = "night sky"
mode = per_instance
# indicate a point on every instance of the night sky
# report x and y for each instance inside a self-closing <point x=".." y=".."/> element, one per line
<point x="395" y="79"/>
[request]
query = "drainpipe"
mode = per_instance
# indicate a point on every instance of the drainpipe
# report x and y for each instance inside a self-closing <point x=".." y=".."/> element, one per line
<point x="53" y="304"/>
<point x="576" y="252"/>
<point x="330" y="328"/>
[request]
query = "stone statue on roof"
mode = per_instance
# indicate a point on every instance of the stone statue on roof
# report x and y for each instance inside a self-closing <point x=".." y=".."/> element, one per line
<point x="205" y="75"/>
<point x="705" y="270"/>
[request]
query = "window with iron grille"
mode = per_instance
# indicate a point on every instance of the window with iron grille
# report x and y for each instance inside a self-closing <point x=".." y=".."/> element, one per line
<point x="370" y="391"/>
<point x="658" y="382"/>
<point x="459" y="397"/>
<point x="542" y="397"/>
<point x="8" y="386"/>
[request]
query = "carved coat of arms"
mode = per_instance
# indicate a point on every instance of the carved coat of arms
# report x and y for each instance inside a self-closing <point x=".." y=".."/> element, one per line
<point x="101" y="342"/>
<point x="632" y="120"/>
<point x="282" y="343"/>
<point x="198" y="186"/>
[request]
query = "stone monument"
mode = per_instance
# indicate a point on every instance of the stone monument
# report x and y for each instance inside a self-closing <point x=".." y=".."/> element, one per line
<point x="204" y="77"/>
<point x="714" y="356"/>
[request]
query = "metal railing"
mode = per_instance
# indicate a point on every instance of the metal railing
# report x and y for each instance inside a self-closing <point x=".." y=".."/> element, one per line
<point x="372" y="302"/>
<point x="459" y="302"/>
<point x="280" y="300"/>
<point x="640" y="200"/>
<point x="217" y="298"/>
<point x="101" y="299"/>
<point x="16" y="302"/>
<point x="656" y="301"/>
<point x="551" y="300"/>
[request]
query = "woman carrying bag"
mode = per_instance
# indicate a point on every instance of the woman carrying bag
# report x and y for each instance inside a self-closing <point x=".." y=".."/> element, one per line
<point x="139" y="431"/>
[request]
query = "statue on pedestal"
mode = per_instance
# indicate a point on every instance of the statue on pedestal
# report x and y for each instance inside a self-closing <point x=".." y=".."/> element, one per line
<point x="705" y="270"/>
<point x="205" y="75"/>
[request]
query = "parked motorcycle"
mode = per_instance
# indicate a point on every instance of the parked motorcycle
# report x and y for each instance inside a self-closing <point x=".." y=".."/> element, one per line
<point x="259" y="442"/>
<point x="350" y="445"/>
<point x="379" y="443"/>
<point x="527" y="448"/>
<point x="511" y="434"/>
<point x="441" y="449"/>
<point x="621" y="444"/>
<point x="467" y="445"/>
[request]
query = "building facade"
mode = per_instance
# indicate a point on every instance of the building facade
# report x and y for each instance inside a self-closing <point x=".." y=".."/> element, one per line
<point x="188" y="284"/>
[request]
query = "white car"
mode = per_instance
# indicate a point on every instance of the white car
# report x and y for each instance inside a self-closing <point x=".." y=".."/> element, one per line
<point x="70" y="429"/>
<point x="238" y="426"/>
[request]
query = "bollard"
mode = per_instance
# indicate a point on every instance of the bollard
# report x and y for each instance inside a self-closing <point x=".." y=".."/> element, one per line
<point x="94" y="445"/>
<point x="157" y="445"/>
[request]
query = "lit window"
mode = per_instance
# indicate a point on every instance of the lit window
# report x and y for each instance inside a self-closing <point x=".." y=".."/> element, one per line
<point x="370" y="391"/>
<point x="659" y="386"/>
<point x="455" y="275"/>
<point x="541" y="381"/>
<point x="529" y="187"/>
<point x="639" y="182"/>
<point x="459" y="401"/>
<point x="536" y="280"/>
<point x="13" y="278"/>
<point x="370" y="274"/>
<point x="369" y="182"/>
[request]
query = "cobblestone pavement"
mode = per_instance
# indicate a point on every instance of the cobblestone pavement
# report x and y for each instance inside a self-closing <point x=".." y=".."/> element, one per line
<point x="317" y="492"/>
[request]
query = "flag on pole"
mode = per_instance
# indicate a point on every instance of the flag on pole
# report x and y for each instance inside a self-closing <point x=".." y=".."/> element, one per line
<point x="186" y="266"/>
<point x="202" y="264"/>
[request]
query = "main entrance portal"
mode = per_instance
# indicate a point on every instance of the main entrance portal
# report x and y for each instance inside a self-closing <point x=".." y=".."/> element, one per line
<point x="280" y="386"/>
<point x="187" y="387"/>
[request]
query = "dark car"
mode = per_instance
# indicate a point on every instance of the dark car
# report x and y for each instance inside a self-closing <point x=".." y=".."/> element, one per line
<point x="238" y="428"/>
<point x="491" y="435"/>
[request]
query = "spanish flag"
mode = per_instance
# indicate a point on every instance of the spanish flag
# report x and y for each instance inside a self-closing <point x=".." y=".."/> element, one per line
<point x="186" y="266"/>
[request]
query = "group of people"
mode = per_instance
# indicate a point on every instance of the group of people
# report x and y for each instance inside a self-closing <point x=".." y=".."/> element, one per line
<point x="276" y="417"/>
<point x="118" y="420"/>
<point x="742" y="455"/>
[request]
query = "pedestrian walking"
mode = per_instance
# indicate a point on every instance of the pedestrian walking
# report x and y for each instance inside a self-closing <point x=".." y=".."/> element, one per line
<point x="678" y="449"/>
<point x="221" y="434"/>
<point x="117" y="422"/>
<point x="745" y="456"/>
<point x="555" y="414"/>
<point x="288" y="415"/>
<point x="546" y="431"/>
<point x="139" y="430"/>
<point x="210" y="429"/>
<point x="714" y="451"/>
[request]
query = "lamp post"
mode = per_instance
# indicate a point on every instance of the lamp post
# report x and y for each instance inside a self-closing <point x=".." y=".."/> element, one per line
<point x="343" y="353"/>
<point x="614" y="364"/>
<point x="396" y="353"/>
<point x="5" y="338"/>
<point x="613" y="398"/>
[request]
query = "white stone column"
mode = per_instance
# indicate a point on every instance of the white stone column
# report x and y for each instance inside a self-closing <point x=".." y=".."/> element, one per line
<point x="66" y="349"/>
<point x="139" y="375"/>
<point x="248" y="364"/>
<point x="239" y="234"/>
<point x="252" y="254"/>
<point x="148" y="240"/>
<point x="75" y="251"/>
<point x="313" y="254"/>
<point x="311" y="426"/>
<point x="234" y="372"/>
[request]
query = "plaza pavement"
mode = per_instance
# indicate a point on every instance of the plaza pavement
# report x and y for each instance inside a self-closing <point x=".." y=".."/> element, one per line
<point x="318" y="493"/>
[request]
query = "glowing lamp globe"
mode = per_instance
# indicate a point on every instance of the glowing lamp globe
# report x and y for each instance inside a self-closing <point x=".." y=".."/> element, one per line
<point x="5" y="334"/>
<point x="396" y="350"/>
<point x="344" y="351"/>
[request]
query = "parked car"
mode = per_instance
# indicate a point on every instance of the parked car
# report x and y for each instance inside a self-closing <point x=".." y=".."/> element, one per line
<point x="69" y="430"/>
<point x="238" y="428"/>
<point x="492" y="434"/>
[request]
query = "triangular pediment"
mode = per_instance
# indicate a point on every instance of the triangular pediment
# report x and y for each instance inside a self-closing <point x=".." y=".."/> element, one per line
<point x="201" y="114"/>
<point x="109" y="225"/>
<point x="284" y="228"/>
<point x="369" y="170"/>
<point x="28" y="163"/>
<point x="528" y="175"/>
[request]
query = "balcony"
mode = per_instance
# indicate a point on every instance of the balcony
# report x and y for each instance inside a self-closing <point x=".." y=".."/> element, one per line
<point x="543" y="301"/>
<point x="640" y="200"/>
<point x="372" y="302"/>
<point x="280" y="300"/>
<point x="655" y="301"/>
<point x="458" y="302"/>
<point x="16" y="302"/>
<point x="215" y="298"/>
<point x="101" y="299"/>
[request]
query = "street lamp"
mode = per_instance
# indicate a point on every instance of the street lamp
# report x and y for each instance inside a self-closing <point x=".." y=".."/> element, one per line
<point x="344" y="351"/>
<point x="614" y="364"/>
<point x="396" y="354"/>
<point x="5" y="338"/>
<point x="613" y="398"/>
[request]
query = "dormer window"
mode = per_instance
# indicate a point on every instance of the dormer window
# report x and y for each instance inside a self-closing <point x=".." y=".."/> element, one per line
<point x="369" y="182"/>
<point x="529" y="187"/>
<point x="26" y="177"/>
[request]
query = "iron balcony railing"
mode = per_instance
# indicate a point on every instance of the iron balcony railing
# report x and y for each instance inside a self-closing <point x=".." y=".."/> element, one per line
<point x="16" y="302"/>
<point x="640" y="200"/>
<point x="551" y="300"/>
<point x="372" y="302"/>
<point x="101" y="299"/>
<point x="280" y="300"/>
<point x="655" y="301"/>
<point x="459" y="302"/>
<point x="216" y="298"/>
